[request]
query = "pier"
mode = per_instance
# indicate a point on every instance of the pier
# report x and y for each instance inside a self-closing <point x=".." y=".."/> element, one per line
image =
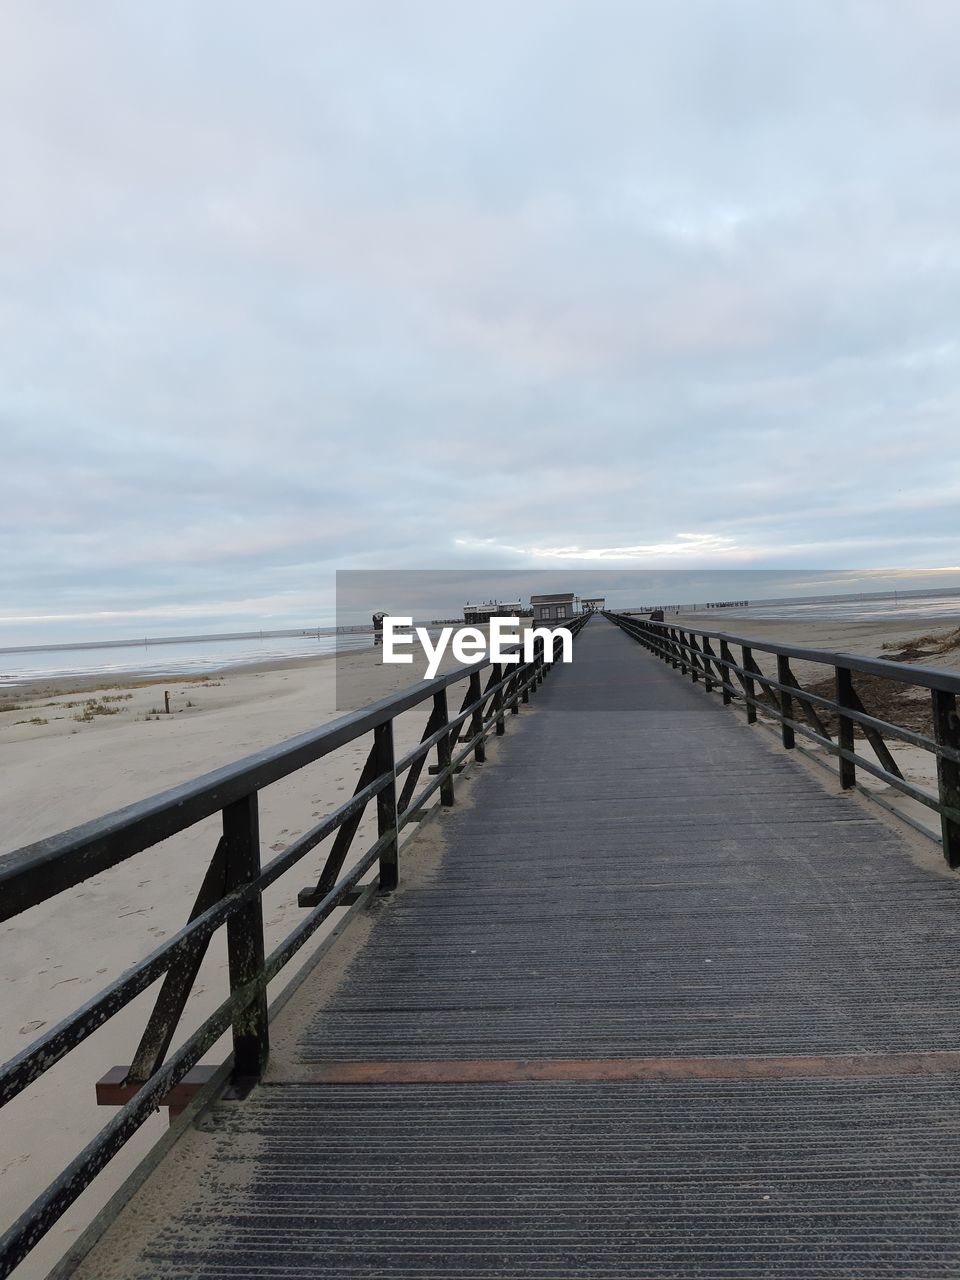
<point x="644" y="996"/>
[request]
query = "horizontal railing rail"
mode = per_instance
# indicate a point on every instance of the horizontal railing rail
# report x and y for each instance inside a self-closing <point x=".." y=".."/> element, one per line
<point x="708" y="657"/>
<point x="231" y="894"/>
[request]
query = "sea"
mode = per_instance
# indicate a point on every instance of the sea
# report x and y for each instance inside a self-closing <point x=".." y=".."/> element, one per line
<point x="174" y="655"/>
<point x="197" y="655"/>
<point x="901" y="606"/>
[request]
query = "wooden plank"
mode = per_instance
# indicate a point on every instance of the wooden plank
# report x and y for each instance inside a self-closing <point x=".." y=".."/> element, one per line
<point x="741" y="1067"/>
<point x="114" y="1089"/>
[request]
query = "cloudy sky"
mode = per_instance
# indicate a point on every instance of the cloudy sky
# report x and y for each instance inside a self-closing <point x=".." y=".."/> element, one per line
<point x="289" y="288"/>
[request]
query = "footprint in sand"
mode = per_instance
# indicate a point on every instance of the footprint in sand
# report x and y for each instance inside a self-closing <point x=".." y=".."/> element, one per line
<point x="275" y="848"/>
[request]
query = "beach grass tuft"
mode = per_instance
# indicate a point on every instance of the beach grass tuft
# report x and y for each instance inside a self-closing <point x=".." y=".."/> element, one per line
<point x="96" y="707"/>
<point x="932" y="645"/>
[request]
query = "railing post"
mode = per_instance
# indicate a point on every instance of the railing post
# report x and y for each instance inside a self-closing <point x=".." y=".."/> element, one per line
<point x="694" y="676"/>
<point x="513" y="688"/>
<point x="844" y="688"/>
<point x="245" y="951"/>
<point x="694" y="656"/>
<point x="497" y="672"/>
<point x="786" y="701"/>
<point x="444" y="753"/>
<point x="726" y="658"/>
<point x="387" y="806"/>
<point x="476" y="720"/>
<point x="749" y="688"/>
<point x="946" y="732"/>
<point x="708" y="654"/>
<point x="673" y="639"/>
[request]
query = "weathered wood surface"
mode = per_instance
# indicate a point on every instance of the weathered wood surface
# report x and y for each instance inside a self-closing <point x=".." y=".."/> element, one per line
<point x="642" y="879"/>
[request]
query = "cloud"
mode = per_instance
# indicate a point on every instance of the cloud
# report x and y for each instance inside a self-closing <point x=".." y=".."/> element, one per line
<point x="362" y="285"/>
<point x="685" y="546"/>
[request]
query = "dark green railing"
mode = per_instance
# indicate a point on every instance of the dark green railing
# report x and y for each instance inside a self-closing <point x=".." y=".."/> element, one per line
<point x="708" y="657"/>
<point x="231" y="894"/>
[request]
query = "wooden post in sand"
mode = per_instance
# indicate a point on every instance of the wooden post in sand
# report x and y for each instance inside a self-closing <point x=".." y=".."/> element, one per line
<point x="166" y="701"/>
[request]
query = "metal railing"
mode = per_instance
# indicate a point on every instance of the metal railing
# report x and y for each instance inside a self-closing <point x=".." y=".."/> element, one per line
<point x="781" y="696"/>
<point x="231" y="895"/>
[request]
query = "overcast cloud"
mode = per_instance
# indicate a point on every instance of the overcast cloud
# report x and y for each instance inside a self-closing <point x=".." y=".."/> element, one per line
<point x="295" y="287"/>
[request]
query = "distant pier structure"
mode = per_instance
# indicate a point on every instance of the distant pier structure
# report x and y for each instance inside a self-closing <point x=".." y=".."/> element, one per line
<point x="693" y="607"/>
<point x="555" y="607"/>
<point x="478" y="615"/>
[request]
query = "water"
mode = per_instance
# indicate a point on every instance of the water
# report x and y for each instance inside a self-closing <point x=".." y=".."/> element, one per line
<point x="197" y="655"/>
<point x="903" y="607"/>
<point x="180" y="655"/>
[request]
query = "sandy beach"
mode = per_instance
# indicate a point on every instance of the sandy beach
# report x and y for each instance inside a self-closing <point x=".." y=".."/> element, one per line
<point x="70" y="753"/>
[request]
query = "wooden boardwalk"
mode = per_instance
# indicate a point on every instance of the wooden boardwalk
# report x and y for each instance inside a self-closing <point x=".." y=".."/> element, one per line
<point x="668" y="1007"/>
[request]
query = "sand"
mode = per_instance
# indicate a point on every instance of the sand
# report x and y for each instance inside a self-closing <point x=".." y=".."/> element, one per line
<point x="71" y="756"/>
